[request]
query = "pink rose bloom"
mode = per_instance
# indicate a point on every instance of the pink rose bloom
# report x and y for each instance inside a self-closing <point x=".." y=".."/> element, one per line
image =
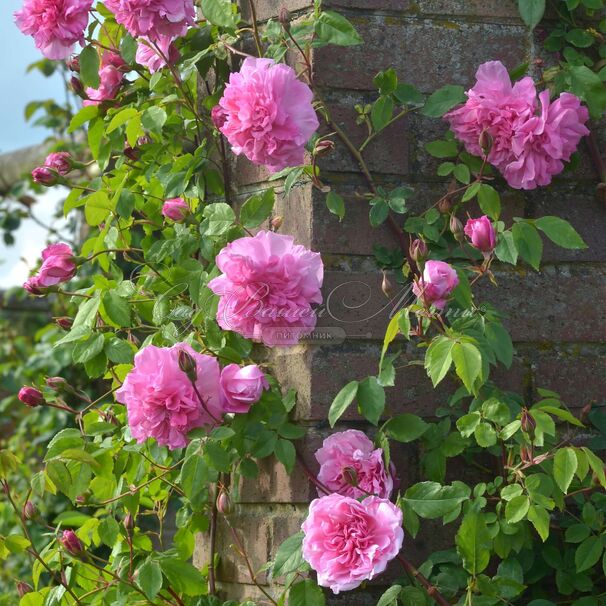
<point x="60" y="162"/>
<point x="111" y="74"/>
<point x="58" y="265"/>
<point x="31" y="396"/>
<point x="55" y="25"/>
<point x="148" y="56"/>
<point x="351" y="466"/>
<point x="219" y="116"/>
<point x="175" y="209"/>
<point x="348" y="542"/>
<point x="481" y="233"/>
<point x="543" y="143"/>
<point x="43" y="175"/>
<point x="269" y="115"/>
<point x="241" y="387"/>
<point x="267" y="288"/>
<point x="160" y="399"/>
<point x="438" y="281"/>
<point x="153" y="18"/>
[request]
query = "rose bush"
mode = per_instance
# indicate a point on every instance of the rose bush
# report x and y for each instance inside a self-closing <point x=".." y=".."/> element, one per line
<point x="160" y="316"/>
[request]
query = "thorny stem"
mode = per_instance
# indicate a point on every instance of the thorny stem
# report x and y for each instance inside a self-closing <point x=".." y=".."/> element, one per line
<point x="430" y="589"/>
<point x="212" y="586"/>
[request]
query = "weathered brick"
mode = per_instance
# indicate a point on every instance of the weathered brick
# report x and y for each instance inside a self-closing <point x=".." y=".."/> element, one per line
<point x="270" y="8"/>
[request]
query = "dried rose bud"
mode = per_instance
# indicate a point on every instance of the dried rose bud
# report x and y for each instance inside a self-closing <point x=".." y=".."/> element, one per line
<point x="387" y="286"/>
<point x="526" y="454"/>
<point x="585" y="412"/>
<point x="64" y="322"/>
<point x="31" y="396"/>
<point x="23" y="588"/>
<point x="71" y="543"/>
<point x="323" y="147"/>
<point x="224" y="504"/>
<point x="30" y="511"/>
<point x="276" y="223"/>
<point x="187" y="364"/>
<point x="444" y="205"/>
<point x="456" y="228"/>
<point x="418" y="250"/>
<point x="284" y="17"/>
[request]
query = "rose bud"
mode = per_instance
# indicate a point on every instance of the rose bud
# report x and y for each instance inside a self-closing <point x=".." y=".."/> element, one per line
<point x="218" y="116"/>
<point x="439" y="279"/>
<point x="175" y="209"/>
<point x="323" y="147"/>
<point x="276" y="223"/>
<point x="58" y="265"/>
<point x="456" y="228"/>
<point x="64" y="322"/>
<point x="23" y="588"/>
<point x="73" y="64"/>
<point x="418" y="250"/>
<point x="284" y="17"/>
<point x="61" y="162"/>
<point x="526" y="454"/>
<point x="56" y="383"/>
<point x="31" y="396"/>
<point x="33" y="286"/>
<point x="224" y="504"/>
<point x="131" y="152"/>
<point x="129" y="522"/>
<point x="387" y="286"/>
<point x="76" y="85"/>
<point x="30" y="511"/>
<point x="188" y="365"/>
<point x="585" y="412"/>
<point x="241" y="387"/>
<point x="481" y="233"/>
<point x="71" y="543"/>
<point x="445" y="205"/>
<point x="485" y="142"/>
<point x="45" y="176"/>
<point x="528" y="422"/>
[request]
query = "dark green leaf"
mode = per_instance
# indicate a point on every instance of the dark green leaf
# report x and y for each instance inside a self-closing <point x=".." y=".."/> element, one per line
<point x="342" y="401"/>
<point x="443" y="100"/>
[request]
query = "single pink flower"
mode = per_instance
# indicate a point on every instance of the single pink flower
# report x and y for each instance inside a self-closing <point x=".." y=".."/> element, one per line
<point x="58" y="265"/>
<point x="160" y="399"/>
<point x="153" y="54"/>
<point x="541" y="144"/>
<point x="153" y="18"/>
<point x="481" y="233"/>
<point x="61" y="162"/>
<point x="55" y="25"/>
<point x="351" y="466"/>
<point x="175" y="209"/>
<point x="43" y="175"/>
<point x="111" y="75"/>
<point x="348" y="542"/>
<point x="267" y="288"/>
<point x="438" y="281"/>
<point x="269" y="115"/>
<point x="241" y="387"/>
<point x="31" y="396"/>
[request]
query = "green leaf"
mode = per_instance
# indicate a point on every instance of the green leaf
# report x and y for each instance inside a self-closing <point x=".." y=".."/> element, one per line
<point x="286" y="454"/>
<point x="560" y="232"/>
<point x="333" y="28"/>
<point x="82" y="117"/>
<point x="149" y="578"/>
<point x="596" y="464"/>
<point x="473" y="543"/>
<point x="342" y="401"/>
<point x="468" y="423"/>
<point x="154" y="118"/>
<point x="528" y="242"/>
<point x="564" y="467"/>
<point x="89" y="66"/>
<point x="306" y="593"/>
<point x="194" y="476"/>
<point x="531" y="11"/>
<point x="442" y="149"/>
<point x="468" y="363"/>
<point x="118" y="351"/>
<point x="406" y="427"/>
<point x="390" y="597"/>
<point x="517" y="508"/>
<point x="289" y="557"/>
<point x="379" y="211"/>
<point x="335" y="204"/>
<point x="390" y="334"/>
<point x="432" y="500"/>
<point x="438" y="359"/>
<point x="117" y="308"/>
<point x="443" y="100"/>
<point x="506" y="250"/>
<point x="407" y="94"/>
<point x="588" y="553"/>
<point x="540" y="520"/>
<point x="485" y="435"/>
<point x="500" y="341"/>
<point x="219" y="12"/>
<point x="587" y="85"/>
<point x="97" y="208"/>
<point x="183" y="577"/>
<point x="257" y="209"/>
<point x="490" y="201"/>
<point x="121" y="118"/>
<point x="579" y="37"/>
<point x="381" y="112"/>
<point x="220" y="217"/>
<point x="371" y="399"/>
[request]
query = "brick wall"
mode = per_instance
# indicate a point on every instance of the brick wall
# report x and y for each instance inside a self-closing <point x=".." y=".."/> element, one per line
<point x="429" y="43"/>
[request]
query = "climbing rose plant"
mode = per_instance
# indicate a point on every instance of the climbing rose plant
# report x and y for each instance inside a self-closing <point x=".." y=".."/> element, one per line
<point x="175" y="281"/>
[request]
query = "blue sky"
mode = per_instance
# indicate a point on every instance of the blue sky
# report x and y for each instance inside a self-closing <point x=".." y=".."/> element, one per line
<point x="18" y="87"/>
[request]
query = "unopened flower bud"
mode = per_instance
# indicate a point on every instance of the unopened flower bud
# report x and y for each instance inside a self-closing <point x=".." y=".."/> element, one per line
<point x="284" y="17"/>
<point x="418" y="250"/>
<point x="224" y="504"/>
<point x="76" y="85"/>
<point x="323" y="147"/>
<point x="526" y="454"/>
<point x="187" y="364"/>
<point x="43" y="175"/>
<point x="528" y="422"/>
<point x="31" y="396"/>
<point x="131" y="152"/>
<point x="71" y="543"/>
<point x="456" y="228"/>
<point x="30" y="511"/>
<point x="73" y="64"/>
<point x="276" y="223"/>
<point x="485" y="142"/>
<point x="56" y="383"/>
<point x="64" y="322"/>
<point x="129" y="522"/>
<point x="143" y="140"/>
<point x="387" y="286"/>
<point x="585" y="412"/>
<point x="351" y="476"/>
<point x="23" y="588"/>
<point x="444" y="205"/>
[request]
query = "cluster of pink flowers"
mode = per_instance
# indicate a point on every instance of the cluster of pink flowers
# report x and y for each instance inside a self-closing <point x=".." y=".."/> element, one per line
<point x="348" y="542"/>
<point x="266" y="113"/>
<point x="351" y="466"/>
<point x="57" y="164"/>
<point x="175" y="209"/>
<point x="165" y="402"/>
<point x="528" y="138"/>
<point x="267" y="288"/>
<point x="436" y="284"/>
<point x="111" y="75"/>
<point x="58" y="265"/>
<point x="55" y="25"/>
<point x="481" y="234"/>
